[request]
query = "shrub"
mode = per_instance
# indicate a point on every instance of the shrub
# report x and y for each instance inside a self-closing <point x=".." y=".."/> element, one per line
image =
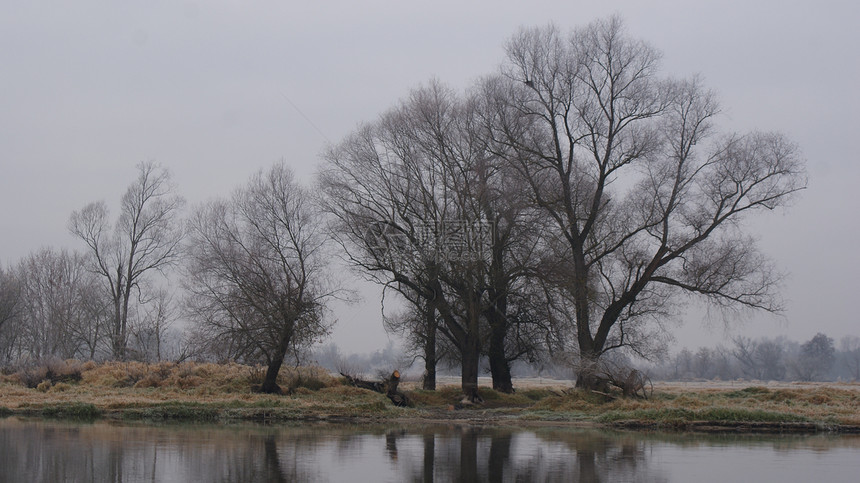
<point x="53" y="370"/>
<point x="313" y="378"/>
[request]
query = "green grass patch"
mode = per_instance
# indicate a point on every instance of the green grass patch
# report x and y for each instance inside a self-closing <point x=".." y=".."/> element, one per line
<point x="536" y="394"/>
<point x="544" y="415"/>
<point x="493" y="398"/>
<point x="4" y="411"/>
<point x="174" y="412"/>
<point x="422" y="398"/>
<point x="441" y="397"/>
<point x="75" y="410"/>
<point x="718" y="414"/>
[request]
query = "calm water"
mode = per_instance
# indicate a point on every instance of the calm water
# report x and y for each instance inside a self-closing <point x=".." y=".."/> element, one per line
<point x="35" y="450"/>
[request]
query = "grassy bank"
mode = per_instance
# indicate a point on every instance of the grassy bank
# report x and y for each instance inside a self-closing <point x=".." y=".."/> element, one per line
<point x="213" y="392"/>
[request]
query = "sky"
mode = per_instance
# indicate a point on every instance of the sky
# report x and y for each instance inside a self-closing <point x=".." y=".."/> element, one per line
<point x="218" y="90"/>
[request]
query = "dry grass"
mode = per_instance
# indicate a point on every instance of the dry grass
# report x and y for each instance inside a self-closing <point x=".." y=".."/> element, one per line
<point x="212" y="391"/>
<point x="114" y="385"/>
<point x="821" y="404"/>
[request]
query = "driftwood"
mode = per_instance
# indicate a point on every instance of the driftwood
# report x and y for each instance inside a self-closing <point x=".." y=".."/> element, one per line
<point x="632" y="382"/>
<point x="387" y="387"/>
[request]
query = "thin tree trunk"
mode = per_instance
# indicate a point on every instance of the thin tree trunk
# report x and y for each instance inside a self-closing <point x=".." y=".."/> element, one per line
<point x="470" y="367"/>
<point x="429" y="383"/>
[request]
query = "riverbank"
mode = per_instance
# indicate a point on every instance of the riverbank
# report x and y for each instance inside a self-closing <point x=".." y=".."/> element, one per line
<point x="215" y="393"/>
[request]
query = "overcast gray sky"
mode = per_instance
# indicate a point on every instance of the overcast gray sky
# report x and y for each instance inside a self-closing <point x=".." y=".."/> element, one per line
<point x="90" y="88"/>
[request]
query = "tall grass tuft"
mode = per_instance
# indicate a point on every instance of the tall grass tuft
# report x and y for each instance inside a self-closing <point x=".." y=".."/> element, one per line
<point x="51" y="371"/>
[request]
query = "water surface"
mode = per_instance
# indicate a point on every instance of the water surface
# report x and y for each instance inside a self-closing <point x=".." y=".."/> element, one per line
<point x="40" y="450"/>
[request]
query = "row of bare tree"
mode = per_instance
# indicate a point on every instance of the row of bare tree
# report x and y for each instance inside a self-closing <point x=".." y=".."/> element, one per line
<point x="564" y="205"/>
<point x="765" y="359"/>
<point x="251" y="270"/>
<point x="52" y="305"/>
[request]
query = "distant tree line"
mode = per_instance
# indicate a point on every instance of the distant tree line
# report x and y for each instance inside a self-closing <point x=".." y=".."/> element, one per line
<point x="766" y="359"/>
<point x="561" y="209"/>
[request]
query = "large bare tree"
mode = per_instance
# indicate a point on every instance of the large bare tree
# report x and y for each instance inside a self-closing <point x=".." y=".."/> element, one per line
<point x="144" y="239"/>
<point x="390" y="187"/>
<point x="645" y="196"/>
<point x="423" y="207"/>
<point x="255" y="272"/>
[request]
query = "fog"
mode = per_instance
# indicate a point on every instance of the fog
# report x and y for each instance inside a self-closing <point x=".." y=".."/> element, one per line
<point x="217" y="90"/>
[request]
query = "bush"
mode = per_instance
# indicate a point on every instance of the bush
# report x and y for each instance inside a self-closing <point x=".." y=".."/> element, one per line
<point x="313" y="378"/>
<point x="52" y="370"/>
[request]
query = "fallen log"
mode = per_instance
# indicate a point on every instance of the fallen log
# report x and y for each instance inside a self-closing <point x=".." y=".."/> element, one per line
<point x="388" y="387"/>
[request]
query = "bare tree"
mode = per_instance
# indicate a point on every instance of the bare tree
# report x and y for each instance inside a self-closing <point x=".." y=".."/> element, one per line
<point x="815" y="359"/>
<point x="421" y="206"/>
<point x="10" y="310"/>
<point x="9" y="297"/>
<point x="144" y="239"/>
<point x="764" y="359"/>
<point x="850" y="347"/>
<point x="643" y="193"/>
<point x="255" y="272"/>
<point x="150" y="326"/>
<point x="419" y="325"/>
<point x="61" y="310"/>
<point x="390" y="189"/>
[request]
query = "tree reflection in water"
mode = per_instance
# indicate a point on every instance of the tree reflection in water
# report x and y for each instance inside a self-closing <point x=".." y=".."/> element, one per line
<point x="55" y="451"/>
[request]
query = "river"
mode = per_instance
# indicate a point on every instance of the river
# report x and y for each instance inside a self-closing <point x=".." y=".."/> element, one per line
<point x="46" y="450"/>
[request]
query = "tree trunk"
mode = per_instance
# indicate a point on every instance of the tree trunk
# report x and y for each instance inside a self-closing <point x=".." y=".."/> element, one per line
<point x="496" y="315"/>
<point x="500" y="368"/>
<point x="116" y="337"/>
<point x="429" y="382"/>
<point x="470" y="367"/>
<point x="270" y="383"/>
<point x="587" y="376"/>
